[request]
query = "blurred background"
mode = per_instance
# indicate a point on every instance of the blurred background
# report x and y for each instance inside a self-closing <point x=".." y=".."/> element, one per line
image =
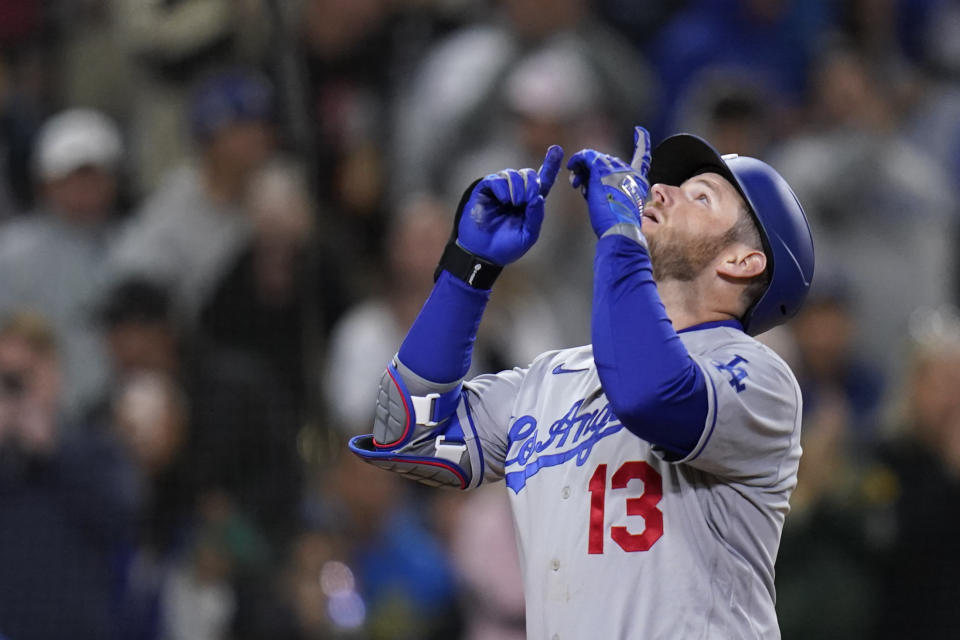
<point x="218" y="218"/>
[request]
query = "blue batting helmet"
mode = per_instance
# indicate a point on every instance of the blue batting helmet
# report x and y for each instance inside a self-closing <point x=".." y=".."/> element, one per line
<point x="783" y="226"/>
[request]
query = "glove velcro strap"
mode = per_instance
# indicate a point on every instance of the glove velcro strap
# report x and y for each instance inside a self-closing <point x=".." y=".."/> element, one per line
<point x="472" y="269"/>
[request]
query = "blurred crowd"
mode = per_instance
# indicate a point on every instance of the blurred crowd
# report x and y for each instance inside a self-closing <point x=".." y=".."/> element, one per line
<point x="218" y="218"/>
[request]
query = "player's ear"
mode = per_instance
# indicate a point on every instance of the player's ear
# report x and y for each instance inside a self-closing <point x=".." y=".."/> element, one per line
<point x="742" y="262"/>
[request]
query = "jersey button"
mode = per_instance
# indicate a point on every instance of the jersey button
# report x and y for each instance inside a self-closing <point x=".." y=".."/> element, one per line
<point x="555" y="636"/>
<point x="565" y="492"/>
<point x="555" y="564"/>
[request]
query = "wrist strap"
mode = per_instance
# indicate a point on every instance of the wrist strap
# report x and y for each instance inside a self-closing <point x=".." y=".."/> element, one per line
<point x="472" y="269"/>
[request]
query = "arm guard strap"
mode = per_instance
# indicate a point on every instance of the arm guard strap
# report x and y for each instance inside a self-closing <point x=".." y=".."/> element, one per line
<point x="420" y="437"/>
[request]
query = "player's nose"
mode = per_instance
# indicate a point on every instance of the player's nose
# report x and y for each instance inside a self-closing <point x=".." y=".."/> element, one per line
<point x="663" y="194"/>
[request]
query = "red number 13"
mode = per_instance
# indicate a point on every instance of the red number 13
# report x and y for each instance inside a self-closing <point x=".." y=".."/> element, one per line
<point x="645" y="506"/>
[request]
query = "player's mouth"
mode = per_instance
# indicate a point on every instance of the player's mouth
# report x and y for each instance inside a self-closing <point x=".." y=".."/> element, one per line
<point x="650" y="215"/>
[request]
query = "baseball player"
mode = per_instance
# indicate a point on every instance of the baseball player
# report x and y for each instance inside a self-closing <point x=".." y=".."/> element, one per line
<point x="649" y="473"/>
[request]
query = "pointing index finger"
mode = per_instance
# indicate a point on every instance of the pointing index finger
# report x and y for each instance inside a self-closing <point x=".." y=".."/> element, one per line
<point x="641" y="151"/>
<point x="550" y="168"/>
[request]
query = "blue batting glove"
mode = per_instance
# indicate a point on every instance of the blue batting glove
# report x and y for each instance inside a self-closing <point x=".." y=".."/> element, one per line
<point x="502" y="216"/>
<point x="614" y="191"/>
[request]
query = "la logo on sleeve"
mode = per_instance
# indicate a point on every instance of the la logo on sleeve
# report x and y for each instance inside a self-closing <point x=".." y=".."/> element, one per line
<point x="736" y="372"/>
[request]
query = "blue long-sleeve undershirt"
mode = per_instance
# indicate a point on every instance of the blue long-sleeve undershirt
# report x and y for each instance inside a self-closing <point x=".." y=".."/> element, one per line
<point x="439" y="345"/>
<point x="653" y="385"/>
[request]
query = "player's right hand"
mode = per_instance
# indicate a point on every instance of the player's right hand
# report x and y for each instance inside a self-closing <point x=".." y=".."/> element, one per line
<point x="502" y="216"/>
<point x="614" y="190"/>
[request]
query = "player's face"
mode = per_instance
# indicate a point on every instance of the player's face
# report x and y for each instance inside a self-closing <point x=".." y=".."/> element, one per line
<point x="686" y="226"/>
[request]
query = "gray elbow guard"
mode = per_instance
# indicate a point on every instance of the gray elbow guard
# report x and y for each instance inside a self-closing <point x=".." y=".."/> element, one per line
<point x="419" y="437"/>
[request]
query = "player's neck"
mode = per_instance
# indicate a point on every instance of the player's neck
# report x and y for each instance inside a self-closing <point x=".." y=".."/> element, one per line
<point x="692" y="303"/>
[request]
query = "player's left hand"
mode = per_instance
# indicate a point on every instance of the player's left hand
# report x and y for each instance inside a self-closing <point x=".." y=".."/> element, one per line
<point x="614" y="190"/>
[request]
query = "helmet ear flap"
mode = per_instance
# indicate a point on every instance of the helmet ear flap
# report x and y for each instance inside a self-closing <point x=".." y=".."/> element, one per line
<point x="780" y="219"/>
<point x="786" y="238"/>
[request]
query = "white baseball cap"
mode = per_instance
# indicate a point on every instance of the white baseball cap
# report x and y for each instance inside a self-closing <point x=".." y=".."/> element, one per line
<point x="76" y="138"/>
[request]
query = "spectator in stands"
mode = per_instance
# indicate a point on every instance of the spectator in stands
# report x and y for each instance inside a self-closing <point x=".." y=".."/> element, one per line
<point x="66" y="505"/>
<point x="350" y="55"/>
<point x="283" y="284"/>
<point x="53" y="260"/>
<point x="870" y="194"/>
<point x="187" y="233"/>
<point x="215" y="441"/>
<point x="240" y="431"/>
<point x="170" y="47"/>
<point x="826" y="584"/>
<point x="919" y="592"/>
<point x="829" y="367"/>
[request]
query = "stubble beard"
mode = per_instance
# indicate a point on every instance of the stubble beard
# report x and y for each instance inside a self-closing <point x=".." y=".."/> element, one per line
<point x="682" y="258"/>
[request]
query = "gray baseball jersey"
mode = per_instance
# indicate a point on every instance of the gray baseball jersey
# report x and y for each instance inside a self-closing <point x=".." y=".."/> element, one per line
<point x="616" y="541"/>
